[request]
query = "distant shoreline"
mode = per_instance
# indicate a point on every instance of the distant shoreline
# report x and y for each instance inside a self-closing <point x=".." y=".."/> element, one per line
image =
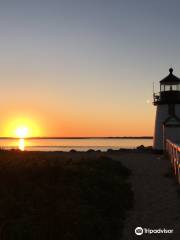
<point x="128" y="137"/>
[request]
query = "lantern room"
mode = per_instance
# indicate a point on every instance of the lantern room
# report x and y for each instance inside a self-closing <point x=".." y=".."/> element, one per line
<point x="169" y="90"/>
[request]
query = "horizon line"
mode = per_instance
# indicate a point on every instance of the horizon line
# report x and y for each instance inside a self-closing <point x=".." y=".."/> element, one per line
<point x="99" y="137"/>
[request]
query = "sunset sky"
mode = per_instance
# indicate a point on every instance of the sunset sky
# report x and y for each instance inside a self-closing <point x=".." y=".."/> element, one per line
<point x="85" y="67"/>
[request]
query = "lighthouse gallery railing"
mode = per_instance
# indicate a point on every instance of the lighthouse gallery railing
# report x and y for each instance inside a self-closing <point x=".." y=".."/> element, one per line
<point x="173" y="151"/>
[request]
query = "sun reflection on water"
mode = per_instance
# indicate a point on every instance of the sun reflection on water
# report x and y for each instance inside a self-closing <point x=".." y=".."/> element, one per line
<point x="21" y="144"/>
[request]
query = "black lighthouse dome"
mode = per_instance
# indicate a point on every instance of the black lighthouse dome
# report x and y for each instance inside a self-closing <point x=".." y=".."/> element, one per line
<point x="169" y="90"/>
<point x="171" y="79"/>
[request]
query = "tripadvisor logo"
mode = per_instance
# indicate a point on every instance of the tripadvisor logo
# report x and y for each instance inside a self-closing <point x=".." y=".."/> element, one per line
<point x="140" y="231"/>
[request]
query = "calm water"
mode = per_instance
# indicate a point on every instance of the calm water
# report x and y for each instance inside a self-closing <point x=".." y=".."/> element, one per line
<point x="69" y="144"/>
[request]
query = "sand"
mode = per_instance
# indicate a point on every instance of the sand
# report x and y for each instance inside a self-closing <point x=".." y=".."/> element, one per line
<point x="156" y="196"/>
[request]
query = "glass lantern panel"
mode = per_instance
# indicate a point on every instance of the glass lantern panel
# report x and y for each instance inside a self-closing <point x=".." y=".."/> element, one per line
<point x="170" y="87"/>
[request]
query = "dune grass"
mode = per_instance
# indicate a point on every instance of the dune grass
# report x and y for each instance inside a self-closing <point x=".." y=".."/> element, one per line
<point x="54" y="196"/>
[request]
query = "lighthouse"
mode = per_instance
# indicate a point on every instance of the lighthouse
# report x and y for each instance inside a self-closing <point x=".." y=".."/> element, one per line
<point x="167" y="102"/>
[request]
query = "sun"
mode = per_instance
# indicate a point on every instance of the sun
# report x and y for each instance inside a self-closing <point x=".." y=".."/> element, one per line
<point x="22" y="127"/>
<point x="22" y="132"/>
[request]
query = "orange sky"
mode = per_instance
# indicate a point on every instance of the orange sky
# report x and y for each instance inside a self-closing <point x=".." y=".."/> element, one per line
<point x="65" y="122"/>
<point x="85" y="68"/>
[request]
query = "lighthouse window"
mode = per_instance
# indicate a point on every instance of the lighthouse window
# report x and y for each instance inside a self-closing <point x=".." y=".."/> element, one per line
<point x="170" y="88"/>
<point x="174" y="87"/>
<point x="167" y="87"/>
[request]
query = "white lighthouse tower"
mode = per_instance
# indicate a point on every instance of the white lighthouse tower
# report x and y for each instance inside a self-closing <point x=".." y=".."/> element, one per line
<point x="167" y="101"/>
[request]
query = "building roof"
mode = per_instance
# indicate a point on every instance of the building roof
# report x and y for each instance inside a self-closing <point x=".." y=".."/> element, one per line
<point x="170" y="79"/>
<point x="172" y="121"/>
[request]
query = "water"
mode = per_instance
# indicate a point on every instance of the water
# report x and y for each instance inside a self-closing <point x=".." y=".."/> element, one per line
<point x="102" y="144"/>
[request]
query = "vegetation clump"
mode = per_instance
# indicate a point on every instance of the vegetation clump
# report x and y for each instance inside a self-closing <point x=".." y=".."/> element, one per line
<point x="59" y="196"/>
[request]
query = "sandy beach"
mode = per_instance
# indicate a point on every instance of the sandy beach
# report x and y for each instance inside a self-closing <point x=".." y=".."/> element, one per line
<point x="156" y="196"/>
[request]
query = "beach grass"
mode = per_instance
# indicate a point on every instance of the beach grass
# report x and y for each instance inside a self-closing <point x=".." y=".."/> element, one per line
<point x="65" y="196"/>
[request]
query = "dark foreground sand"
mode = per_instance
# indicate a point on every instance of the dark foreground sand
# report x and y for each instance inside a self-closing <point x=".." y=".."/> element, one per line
<point x="157" y="201"/>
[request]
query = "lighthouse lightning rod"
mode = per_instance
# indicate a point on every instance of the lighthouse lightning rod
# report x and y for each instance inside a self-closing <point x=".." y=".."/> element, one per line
<point x="153" y="89"/>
